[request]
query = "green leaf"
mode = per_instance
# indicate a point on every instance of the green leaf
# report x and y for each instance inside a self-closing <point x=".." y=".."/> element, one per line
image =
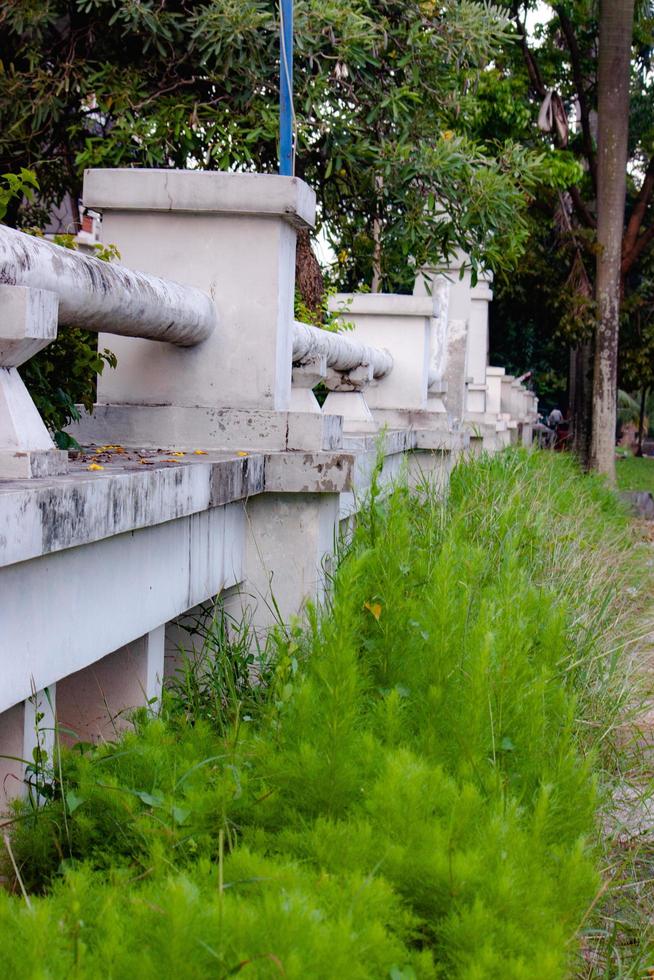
<point x="73" y="801"/>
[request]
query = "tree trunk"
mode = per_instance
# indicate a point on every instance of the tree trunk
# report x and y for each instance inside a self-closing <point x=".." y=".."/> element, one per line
<point x="376" y="284"/>
<point x="641" y="421"/>
<point x="615" y="33"/>
<point x="582" y="406"/>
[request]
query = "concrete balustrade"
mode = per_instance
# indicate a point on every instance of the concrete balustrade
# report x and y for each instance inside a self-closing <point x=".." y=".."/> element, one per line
<point x="229" y="479"/>
<point x="106" y="296"/>
<point x="232" y="236"/>
<point x="339" y="360"/>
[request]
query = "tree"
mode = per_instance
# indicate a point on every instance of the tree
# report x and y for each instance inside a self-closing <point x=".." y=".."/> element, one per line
<point x="383" y="92"/>
<point x="616" y="25"/>
<point x="560" y="55"/>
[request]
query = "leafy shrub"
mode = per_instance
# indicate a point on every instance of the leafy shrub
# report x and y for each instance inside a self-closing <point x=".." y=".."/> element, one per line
<point x="415" y="795"/>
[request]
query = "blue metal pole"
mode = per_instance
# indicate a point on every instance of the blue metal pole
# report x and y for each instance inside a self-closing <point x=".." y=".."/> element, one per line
<point x="286" y="162"/>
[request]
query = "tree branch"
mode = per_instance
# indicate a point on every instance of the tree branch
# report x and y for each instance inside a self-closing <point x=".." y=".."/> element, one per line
<point x="575" y="62"/>
<point x="638" y="213"/>
<point x="583" y="213"/>
<point x="540" y="89"/>
<point x="639" y="246"/>
<point x="530" y="62"/>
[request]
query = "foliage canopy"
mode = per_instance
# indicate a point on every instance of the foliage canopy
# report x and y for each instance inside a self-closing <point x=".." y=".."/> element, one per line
<point x="384" y="91"/>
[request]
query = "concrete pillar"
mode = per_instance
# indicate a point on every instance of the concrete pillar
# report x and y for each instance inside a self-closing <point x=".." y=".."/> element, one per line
<point x="438" y="291"/>
<point x="232" y="235"/>
<point x="28" y="323"/>
<point x="291" y="539"/>
<point x="477" y="347"/>
<point x="348" y="398"/>
<point x="402" y="325"/>
<point x="507" y="406"/>
<point x="24" y="728"/>
<point x="94" y="704"/>
<point x="494" y="377"/>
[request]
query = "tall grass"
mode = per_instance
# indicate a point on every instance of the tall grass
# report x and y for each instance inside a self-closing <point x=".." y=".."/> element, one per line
<point x="417" y="793"/>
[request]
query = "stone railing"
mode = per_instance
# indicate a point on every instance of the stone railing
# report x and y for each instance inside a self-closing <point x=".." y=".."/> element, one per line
<point x="340" y="353"/>
<point x="208" y="468"/>
<point x="106" y="296"/>
<point x="45" y="285"/>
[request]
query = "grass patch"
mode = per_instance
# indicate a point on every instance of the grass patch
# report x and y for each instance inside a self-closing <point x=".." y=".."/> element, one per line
<point x="416" y="792"/>
<point x="635" y="473"/>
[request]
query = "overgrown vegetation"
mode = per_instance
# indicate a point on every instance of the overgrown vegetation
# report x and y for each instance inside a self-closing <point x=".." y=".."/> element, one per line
<point x="415" y="790"/>
<point x="635" y="473"/>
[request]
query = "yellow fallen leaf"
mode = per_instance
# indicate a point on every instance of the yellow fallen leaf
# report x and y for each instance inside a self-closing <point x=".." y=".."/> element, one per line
<point x="375" y="608"/>
<point x="178" y="454"/>
<point x="95" y="466"/>
<point x="241" y="453"/>
<point x="170" y="461"/>
<point x="200" y="452"/>
<point x="145" y="462"/>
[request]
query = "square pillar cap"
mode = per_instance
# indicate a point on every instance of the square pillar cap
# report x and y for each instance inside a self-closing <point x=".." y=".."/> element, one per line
<point x="201" y="191"/>
<point x="381" y="304"/>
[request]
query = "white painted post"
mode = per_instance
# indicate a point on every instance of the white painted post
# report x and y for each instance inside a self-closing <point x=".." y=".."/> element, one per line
<point x="28" y="323"/>
<point x="477" y="349"/>
<point x="402" y="325"/>
<point x="494" y="376"/>
<point x="305" y="377"/>
<point x="233" y="236"/>
<point x="507" y="406"/>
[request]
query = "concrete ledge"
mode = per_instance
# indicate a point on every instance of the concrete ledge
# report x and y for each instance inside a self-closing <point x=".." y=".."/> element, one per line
<point x="64" y="611"/>
<point x="389" y="442"/>
<point x="309" y="472"/>
<point x="412" y="418"/>
<point x="205" y="191"/>
<point x="41" y="516"/>
<point x="203" y="427"/>
<point x="448" y="442"/>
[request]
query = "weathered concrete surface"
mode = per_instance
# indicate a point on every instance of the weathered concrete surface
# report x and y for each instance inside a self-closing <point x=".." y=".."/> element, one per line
<point x="309" y="472"/>
<point x="94" y="704"/>
<point x="290" y="543"/>
<point x="402" y="325"/>
<point x="68" y="609"/>
<point x="477" y="346"/>
<point x="191" y="426"/>
<point x="342" y="352"/>
<point x="104" y="295"/>
<point x="203" y="191"/>
<point x="231" y="235"/>
<point x="28" y="323"/>
<point x="47" y="515"/>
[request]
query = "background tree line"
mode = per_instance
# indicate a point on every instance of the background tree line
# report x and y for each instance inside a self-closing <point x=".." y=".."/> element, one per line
<point x="416" y="125"/>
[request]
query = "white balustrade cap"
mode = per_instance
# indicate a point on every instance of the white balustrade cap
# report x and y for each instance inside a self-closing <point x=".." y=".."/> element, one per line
<point x="204" y="191"/>
<point x="381" y="304"/>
